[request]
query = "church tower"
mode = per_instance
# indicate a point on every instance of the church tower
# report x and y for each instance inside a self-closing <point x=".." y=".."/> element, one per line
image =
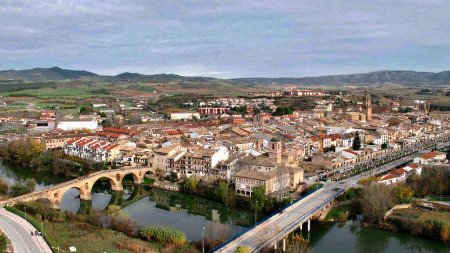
<point x="275" y="150"/>
<point x="368" y="106"/>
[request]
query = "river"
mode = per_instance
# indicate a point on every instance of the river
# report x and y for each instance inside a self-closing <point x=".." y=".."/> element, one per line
<point x="191" y="214"/>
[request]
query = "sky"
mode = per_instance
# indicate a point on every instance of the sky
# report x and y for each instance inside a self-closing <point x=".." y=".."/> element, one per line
<point x="226" y="38"/>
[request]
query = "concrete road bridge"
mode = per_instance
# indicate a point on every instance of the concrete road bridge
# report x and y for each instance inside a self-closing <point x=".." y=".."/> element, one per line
<point x="83" y="184"/>
<point x="272" y="231"/>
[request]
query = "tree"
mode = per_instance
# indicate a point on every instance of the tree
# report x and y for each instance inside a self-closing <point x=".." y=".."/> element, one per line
<point x="280" y="111"/>
<point x="190" y="184"/>
<point x="356" y="142"/>
<point x="222" y="191"/>
<point x="258" y="198"/>
<point x="375" y="201"/>
<point x="3" y="187"/>
<point x="403" y="193"/>
<point x="85" y="109"/>
<point x="21" y="188"/>
<point x="217" y="233"/>
<point x="384" y="146"/>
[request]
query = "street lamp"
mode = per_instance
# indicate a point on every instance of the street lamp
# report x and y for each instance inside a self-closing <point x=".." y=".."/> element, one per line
<point x="203" y="240"/>
<point x="256" y="208"/>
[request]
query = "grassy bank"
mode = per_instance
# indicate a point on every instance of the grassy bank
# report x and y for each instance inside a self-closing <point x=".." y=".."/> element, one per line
<point x="88" y="238"/>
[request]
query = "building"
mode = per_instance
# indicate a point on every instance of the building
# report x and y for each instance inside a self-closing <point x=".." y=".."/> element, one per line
<point x="166" y="157"/>
<point x="74" y="125"/>
<point x="50" y="142"/>
<point x="431" y="158"/>
<point x="303" y="93"/>
<point x="274" y="181"/>
<point x="212" y="111"/>
<point x="184" y="115"/>
<point x="92" y="149"/>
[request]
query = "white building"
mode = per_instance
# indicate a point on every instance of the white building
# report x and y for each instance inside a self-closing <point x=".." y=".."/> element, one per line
<point x="184" y="115"/>
<point x="73" y="125"/>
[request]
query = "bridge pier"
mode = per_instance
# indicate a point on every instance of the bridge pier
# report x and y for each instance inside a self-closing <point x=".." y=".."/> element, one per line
<point x="309" y="225"/>
<point x="275" y="246"/>
<point x="301" y="226"/>
<point x="284" y="245"/>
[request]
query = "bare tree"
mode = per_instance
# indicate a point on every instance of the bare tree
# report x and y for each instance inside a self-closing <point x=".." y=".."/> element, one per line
<point x="376" y="200"/>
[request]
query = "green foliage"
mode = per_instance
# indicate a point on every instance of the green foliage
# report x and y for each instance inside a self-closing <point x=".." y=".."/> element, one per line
<point x="164" y="235"/>
<point x="21" y="188"/>
<point x="3" y="242"/>
<point x="190" y="184"/>
<point x="280" y="111"/>
<point x="384" y="146"/>
<point x="240" y="110"/>
<point x="356" y="142"/>
<point x="3" y="187"/>
<point x="258" y="198"/>
<point x="225" y="194"/>
<point x="21" y="152"/>
<point x="86" y="109"/>
<point x="242" y="249"/>
<point x="40" y="210"/>
<point x="437" y="230"/>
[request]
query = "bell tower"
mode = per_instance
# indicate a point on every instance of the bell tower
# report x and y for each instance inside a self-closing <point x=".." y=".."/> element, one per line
<point x="368" y="105"/>
<point x="275" y="150"/>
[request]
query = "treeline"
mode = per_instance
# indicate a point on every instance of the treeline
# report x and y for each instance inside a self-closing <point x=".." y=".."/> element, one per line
<point x="10" y="87"/>
<point x="29" y="155"/>
<point x="225" y="193"/>
<point x="18" y="188"/>
<point x="432" y="181"/>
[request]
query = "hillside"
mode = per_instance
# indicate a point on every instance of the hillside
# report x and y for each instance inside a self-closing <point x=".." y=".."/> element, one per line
<point x="399" y="77"/>
<point x="45" y="74"/>
<point x="411" y="78"/>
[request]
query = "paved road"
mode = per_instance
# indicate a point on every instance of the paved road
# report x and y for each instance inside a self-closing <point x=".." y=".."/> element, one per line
<point x="18" y="231"/>
<point x="280" y="225"/>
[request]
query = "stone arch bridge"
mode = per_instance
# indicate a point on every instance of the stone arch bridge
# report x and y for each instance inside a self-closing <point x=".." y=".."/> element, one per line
<point x="83" y="184"/>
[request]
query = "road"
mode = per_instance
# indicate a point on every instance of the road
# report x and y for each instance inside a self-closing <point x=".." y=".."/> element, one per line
<point x="280" y="225"/>
<point x="18" y="231"/>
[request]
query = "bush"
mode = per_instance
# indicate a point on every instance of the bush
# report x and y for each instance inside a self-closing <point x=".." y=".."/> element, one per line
<point x="3" y="243"/>
<point x="242" y="249"/>
<point x="164" y="235"/>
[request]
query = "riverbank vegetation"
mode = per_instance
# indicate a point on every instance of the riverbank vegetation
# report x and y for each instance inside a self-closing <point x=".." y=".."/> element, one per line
<point x="28" y="155"/>
<point x="374" y="200"/>
<point x="225" y="193"/>
<point x="108" y="231"/>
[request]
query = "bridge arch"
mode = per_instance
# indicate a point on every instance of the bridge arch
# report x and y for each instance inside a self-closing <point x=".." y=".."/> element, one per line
<point x="116" y="185"/>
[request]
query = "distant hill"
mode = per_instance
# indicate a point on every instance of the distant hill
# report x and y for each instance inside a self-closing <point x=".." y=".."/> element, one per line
<point x="45" y="74"/>
<point x="412" y="78"/>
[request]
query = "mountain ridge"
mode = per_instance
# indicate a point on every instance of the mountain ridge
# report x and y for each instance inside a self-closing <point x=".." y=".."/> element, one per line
<point x="406" y="77"/>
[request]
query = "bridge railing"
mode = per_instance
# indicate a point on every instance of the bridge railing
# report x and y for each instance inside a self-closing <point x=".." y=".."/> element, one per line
<point x="304" y="217"/>
<point x="262" y="221"/>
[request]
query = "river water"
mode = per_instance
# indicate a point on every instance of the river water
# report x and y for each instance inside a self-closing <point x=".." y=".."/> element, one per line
<point x="191" y="214"/>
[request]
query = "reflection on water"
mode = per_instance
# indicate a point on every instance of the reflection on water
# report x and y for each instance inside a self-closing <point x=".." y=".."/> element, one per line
<point x="352" y="237"/>
<point x="159" y="208"/>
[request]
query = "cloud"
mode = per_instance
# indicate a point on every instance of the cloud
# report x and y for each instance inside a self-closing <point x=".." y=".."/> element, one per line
<point x="225" y="38"/>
